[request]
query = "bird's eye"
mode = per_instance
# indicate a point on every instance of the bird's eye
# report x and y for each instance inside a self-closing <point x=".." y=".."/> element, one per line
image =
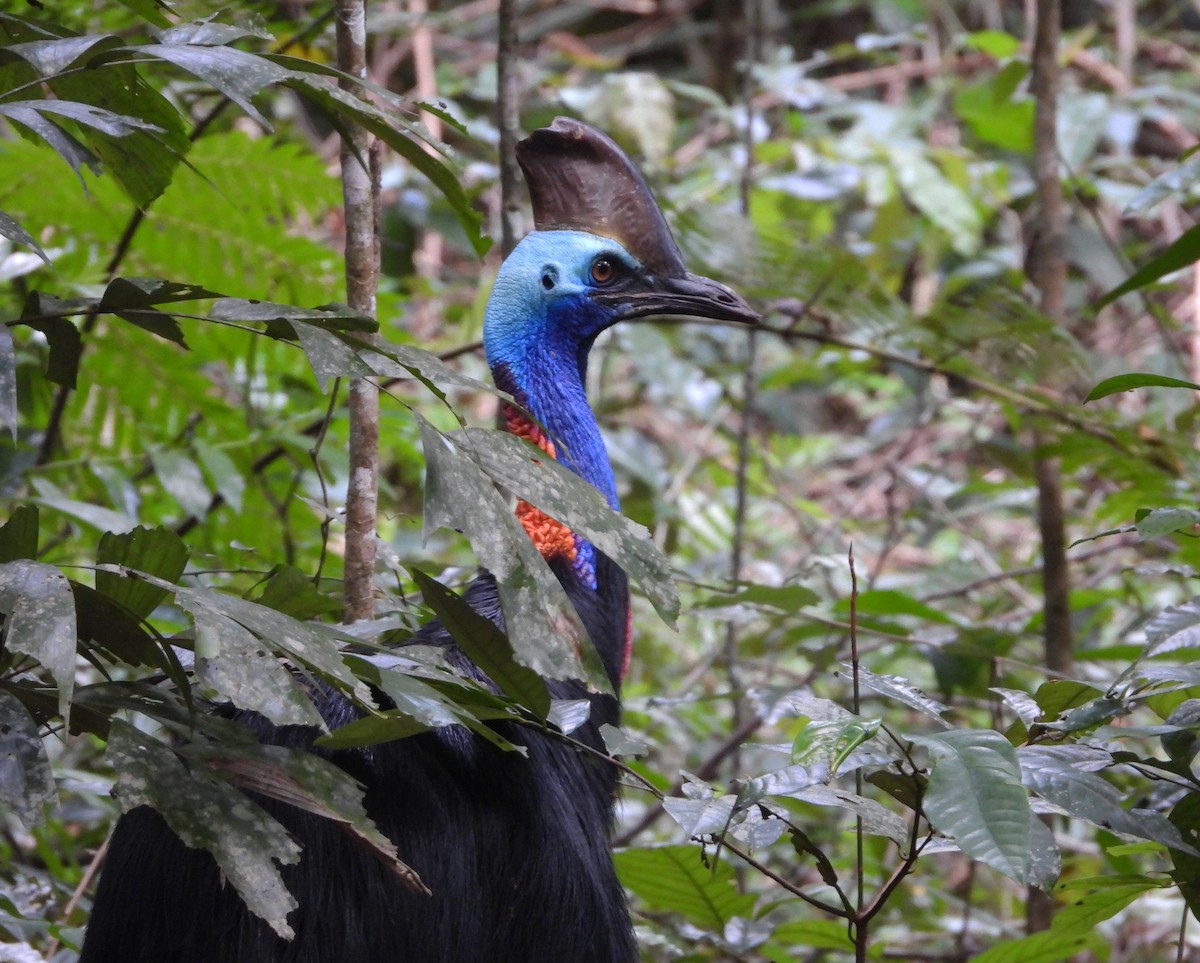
<point x="603" y="270"/>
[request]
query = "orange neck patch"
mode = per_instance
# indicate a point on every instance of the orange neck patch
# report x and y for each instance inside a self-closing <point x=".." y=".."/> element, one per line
<point x="550" y="537"/>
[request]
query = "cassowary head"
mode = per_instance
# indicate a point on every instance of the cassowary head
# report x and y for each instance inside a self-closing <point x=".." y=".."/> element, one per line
<point x="602" y="253"/>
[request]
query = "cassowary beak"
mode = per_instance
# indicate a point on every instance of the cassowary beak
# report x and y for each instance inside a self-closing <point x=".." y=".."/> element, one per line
<point x="690" y="294"/>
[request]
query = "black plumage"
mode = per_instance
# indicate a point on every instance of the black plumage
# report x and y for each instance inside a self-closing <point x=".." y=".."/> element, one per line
<point x="515" y="849"/>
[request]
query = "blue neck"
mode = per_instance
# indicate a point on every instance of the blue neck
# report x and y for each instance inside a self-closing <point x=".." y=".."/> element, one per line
<point x="548" y="383"/>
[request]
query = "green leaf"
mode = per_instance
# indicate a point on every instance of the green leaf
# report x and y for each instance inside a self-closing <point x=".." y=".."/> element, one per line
<point x="1174" y="629"/>
<point x="26" y="779"/>
<point x="238" y="75"/>
<point x="150" y="10"/>
<point x="1165" y="521"/>
<point x="50" y="57"/>
<point x="1127" y="382"/>
<point x="994" y="43"/>
<point x="208" y="814"/>
<point x="975" y="796"/>
<point x="144" y="160"/>
<point x="485" y="645"/>
<point x="1183" y="251"/>
<point x="1176" y="181"/>
<point x="677" y="879"/>
<point x="891" y="602"/>
<point x="329" y="356"/>
<point x="12" y="230"/>
<point x="290" y="591"/>
<point x="903" y="691"/>
<point x="541" y="624"/>
<point x="1102" y="898"/>
<point x="19" y="535"/>
<point x="66" y="345"/>
<point x="786" y="598"/>
<point x="239" y="667"/>
<point x="993" y="115"/>
<point x="552" y="487"/>
<point x="112" y="627"/>
<point x="1048" y="947"/>
<point x="306" y="643"/>
<point x="182" y="479"/>
<point x="40" y="610"/>
<point x="1065" y="776"/>
<point x="156" y="551"/>
<point x="371" y="730"/>
<point x="343" y="107"/>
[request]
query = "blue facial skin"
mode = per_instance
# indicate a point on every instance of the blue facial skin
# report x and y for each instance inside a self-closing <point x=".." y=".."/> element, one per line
<point x="538" y="329"/>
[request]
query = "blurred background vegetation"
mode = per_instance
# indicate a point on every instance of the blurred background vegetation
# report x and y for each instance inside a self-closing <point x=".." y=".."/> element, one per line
<point x="906" y="385"/>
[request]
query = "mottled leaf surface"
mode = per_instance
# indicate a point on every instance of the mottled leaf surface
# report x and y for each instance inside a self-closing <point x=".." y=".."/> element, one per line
<point x="208" y="814"/>
<point x="26" y="779"/>
<point x="40" y="610"/>
<point x="555" y="489"/>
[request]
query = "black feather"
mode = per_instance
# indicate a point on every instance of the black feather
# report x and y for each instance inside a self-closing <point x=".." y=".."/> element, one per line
<point x="515" y="850"/>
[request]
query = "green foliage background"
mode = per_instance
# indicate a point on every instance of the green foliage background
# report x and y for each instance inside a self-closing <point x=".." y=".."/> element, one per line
<point x="780" y="783"/>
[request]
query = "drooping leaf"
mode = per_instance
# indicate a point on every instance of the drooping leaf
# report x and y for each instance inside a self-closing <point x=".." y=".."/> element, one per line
<point x="207" y="32"/>
<point x="239" y="667"/>
<point x="876" y="819"/>
<point x="1174" y="629"/>
<point x="1175" y="181"/>
<point x="50" y="57"/>
<point x="545" y="483"/>
<point x="542" y="626"/>
<point x="237" y="74"/>
<point x="19" y="534"/>
<point x="1047" y="947"/>
<point x="1128" y="382"/>
<point x="1092" y="901"/>
<point x="343" y="107"/>
<point x="26" y="779"/>
<point x="106" y="624"/>
<point x="11" y="229"/>
<point x="209" y="814"/>
<point x="1064" y="776"/>
<point x="329" y="356"/>
<point x="156" y="551"/>
<point x="975" y="796"/>
<point x="150" y="10"/>
<point x="306" y="643"/>
<point x="901" y="690"/>
<point x="485" y="644"/>
<point x="1184" y="250"/>
<point x="677" y="879"/>
<point x="142" y="160"/>
<point x="40" y="610"/>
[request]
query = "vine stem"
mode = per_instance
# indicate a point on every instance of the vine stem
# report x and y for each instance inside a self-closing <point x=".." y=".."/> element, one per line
<point x="360" y="194"/>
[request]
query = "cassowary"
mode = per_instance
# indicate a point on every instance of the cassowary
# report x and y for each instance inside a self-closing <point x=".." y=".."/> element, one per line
<point x="515" y="849"/>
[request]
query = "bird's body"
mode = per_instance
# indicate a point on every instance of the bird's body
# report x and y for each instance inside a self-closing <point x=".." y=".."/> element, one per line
<point x="515" y="848"/>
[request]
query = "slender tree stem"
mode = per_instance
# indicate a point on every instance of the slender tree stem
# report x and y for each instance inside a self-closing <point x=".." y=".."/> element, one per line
<point x="1048" y="270"/>
<point x="508" y="120"/>
<point x="360" y="197"/>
